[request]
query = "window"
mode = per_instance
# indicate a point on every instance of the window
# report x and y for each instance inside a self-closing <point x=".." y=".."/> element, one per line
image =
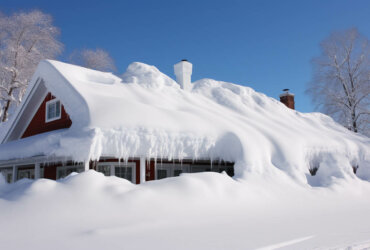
<point x="126" y="170"/>
<point x="123" y="172"/>
<point x="161" y="173"/>
<point x="105" y="169"/>
<point x="165" y="170"/>
<point x="53" y="110"/>
<point x="7" y="173"/>
<point x="26" y="173"/>
<point x="64" y="171"/>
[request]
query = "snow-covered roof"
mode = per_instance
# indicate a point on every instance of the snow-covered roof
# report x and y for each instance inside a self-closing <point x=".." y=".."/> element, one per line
<point x="146" y="113"/>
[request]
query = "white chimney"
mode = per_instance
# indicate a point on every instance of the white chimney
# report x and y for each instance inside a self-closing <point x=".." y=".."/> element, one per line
<point x="183" y="72"/>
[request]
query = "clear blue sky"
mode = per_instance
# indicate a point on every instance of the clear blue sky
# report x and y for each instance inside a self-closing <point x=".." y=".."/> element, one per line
<point x="264" y="44"/>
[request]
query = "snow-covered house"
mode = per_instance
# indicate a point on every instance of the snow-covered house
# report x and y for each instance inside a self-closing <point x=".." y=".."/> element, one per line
<point x="69" y="111"/>
<point x="146" y="126"/>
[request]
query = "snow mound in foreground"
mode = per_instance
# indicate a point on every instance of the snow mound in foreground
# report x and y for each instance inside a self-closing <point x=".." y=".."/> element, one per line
<point x="193" y="211"/>
<point x="147" y="114"/>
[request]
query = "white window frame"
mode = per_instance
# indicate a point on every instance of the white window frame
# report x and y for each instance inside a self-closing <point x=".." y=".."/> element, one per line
<point x="48" y="103"/>
<point x="7" y="172"/>
<point x="30" y="172"/>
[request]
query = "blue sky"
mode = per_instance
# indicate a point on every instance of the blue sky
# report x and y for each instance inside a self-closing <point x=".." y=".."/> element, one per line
<point x="266" y="44"/>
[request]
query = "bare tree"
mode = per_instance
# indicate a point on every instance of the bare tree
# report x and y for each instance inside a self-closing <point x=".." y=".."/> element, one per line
<point x="341" y="79"/>
<point x="25" y="39"/>
<point x="97" y="59"/>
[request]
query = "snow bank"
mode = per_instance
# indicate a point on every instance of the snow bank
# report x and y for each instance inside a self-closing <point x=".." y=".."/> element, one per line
<point x="193" y="211"/>
<point x="146" y="114"/>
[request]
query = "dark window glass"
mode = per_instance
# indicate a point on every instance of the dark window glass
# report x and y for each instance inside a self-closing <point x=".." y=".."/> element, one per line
<point x="104" y="169"/>
<point x="177" y="172"/>
<point x="123" y="172"/>
<point x="57" y="109"/>
<point x="161" y="173"/>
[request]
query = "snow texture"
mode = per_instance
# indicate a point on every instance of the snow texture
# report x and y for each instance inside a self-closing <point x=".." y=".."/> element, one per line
<point x="193" y="211"/>
<point x="146" y="113"/>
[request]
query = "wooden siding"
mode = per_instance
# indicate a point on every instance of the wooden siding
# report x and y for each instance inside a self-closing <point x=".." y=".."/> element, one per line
<point x="50" y="170"/>
<point x="38" y="124"/>
<point x="150" y="170"/>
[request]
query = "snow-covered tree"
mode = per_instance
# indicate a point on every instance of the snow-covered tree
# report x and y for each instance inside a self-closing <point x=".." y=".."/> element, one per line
<point x="25" y="39"/>
<point x="341" y="79"/>
<point x="97" y="59"/>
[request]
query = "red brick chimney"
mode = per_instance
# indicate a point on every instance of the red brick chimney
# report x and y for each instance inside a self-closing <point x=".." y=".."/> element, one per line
<point x="287" y="98"/>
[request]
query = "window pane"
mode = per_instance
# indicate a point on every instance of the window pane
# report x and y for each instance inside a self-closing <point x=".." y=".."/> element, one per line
<point x="128" y="174"/>
<point x="124" y="172"/>
<point x="177" y="172"/>
<point x="161" y="173"/>
<point x="71" y="170"/>
<point x="57" y="109"/>
<point x="26" y="173"/>
<point x="61" y="173"/>
<point x="50" y="110"/>
<point x="53" y="110"/>
<point x="104" y="169"/>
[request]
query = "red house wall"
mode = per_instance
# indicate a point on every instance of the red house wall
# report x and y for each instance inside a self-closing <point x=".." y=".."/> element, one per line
<point x="149" y="171"/>
<point x="50" y="171"/>
<point x="38" y="124"/>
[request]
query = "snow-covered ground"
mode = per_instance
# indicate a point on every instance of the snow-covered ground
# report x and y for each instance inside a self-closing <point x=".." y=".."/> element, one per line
<point x="193" y="211"/>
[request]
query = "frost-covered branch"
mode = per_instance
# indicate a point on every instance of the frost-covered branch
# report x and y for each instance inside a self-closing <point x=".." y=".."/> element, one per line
<point x="341" y="81"/>
<point x="25" y="39"/>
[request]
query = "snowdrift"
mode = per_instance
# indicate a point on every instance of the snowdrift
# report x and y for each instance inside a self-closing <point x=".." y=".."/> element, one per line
<point x="193" y="211"/>
<point x="145" y="113"/>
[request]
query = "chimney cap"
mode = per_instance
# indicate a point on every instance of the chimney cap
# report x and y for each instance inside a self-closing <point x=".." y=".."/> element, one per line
<point x="286" y="93"/>
<point x="184" y="60"/>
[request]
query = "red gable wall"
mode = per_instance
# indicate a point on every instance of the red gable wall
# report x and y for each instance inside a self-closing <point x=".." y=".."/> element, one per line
<point x="38" y="124"/>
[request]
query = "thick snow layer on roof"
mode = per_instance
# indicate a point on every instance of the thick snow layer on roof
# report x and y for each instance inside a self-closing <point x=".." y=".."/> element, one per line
<point x="145" y="113"/>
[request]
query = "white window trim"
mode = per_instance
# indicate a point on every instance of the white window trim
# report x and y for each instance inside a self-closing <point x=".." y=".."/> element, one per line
<point x="7" y="171"/>
<point x="47" y="110"/>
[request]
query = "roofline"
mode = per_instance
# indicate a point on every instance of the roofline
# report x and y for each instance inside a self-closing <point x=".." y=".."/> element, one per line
<point x="69" y="85"/>
<point x="41" y="75"/>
